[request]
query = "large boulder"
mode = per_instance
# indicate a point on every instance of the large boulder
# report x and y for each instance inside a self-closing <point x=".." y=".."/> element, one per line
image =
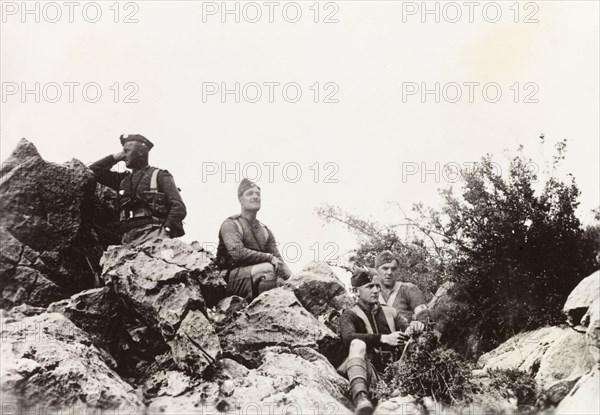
<point x="557" y="356"/>
<point x="47" y="362"/>
<point x="275" y="318"/>
<point x="47" y="228"/>
<point x="582" y="308"/>
<point x="160" y="281"/>
<point x="113" y="326"/>
<point x="284" y="384"/>
<point x="584" y="398"/>
<point x="584" y="296"/>
<point x="321" y="292"/>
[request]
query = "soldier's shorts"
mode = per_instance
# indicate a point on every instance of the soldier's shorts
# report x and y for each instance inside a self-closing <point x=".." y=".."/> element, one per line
<point x="138" y="236"/>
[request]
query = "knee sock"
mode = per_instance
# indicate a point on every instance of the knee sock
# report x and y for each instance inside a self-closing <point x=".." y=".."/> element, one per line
<point x="357" y="374"/>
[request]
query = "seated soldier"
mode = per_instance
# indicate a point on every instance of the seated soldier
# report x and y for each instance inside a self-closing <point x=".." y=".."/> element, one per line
<point x="370" y="334"/>
<point x="405" y="297"/>
<point x="247" y="251"/>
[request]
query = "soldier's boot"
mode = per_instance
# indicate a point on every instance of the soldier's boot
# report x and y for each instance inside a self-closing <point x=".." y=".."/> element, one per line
<point x="357" y="374"/>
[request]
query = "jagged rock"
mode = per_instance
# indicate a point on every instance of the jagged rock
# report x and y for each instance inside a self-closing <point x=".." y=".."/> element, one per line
<point x="593" y="332"/>
<point x="230" y="369"/>
<point x="41" y="202"/>
<point x="178" y="253"/>
<point x="321" y="292"/>
<point x="113" y="326"/>
<point x="195" y="345"/>
<point x="229" y="309"/>
<point x="275" y="317"/>
<point x="316" y="374"/>
<point x="47" y="219"/>
<point x="23" y="152"/>
<point x="406" y="405"/>
<point x="159" y="280"/>
<point x="565" y="358"/>
<point x="583" y="308"/>
<point x="584" y="296"/>
<point x="523" y="351"/>
<point x="557" y="391"/>
<point x="168" y="383"/>
<point x="556" y="356"/>
<point x="584" y="398"/>
<point x="48" y="362"/>
<point x="29" y="286"/>
<point x="273" y="388"/>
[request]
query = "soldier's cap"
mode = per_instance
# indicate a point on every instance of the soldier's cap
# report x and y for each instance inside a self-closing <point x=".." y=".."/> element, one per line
<point x="126" y="138"/>
<point x="384" y="257"/>
<point x="361" y="277"/>
<point x="246" y="184"/>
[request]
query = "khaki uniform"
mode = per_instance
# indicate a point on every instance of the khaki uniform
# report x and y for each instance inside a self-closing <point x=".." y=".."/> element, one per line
<point x="408" y="300"/>
<point x="148" y="201"/>
<point x="242" y="245"/>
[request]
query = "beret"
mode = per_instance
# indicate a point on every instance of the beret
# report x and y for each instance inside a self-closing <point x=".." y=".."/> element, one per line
<point x="245" y="184"/>
<point x="126" y="138"/>
<point x="383" y="258"/>
<point x="361" y="277"/>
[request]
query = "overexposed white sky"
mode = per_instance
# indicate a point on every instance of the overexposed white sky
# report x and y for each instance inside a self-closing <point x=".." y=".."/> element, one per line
<point x="366" y="143"/>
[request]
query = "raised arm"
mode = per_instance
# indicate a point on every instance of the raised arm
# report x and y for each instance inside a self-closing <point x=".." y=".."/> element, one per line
<point x="104" y="175"/>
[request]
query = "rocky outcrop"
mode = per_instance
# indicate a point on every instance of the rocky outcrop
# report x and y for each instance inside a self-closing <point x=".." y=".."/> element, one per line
<point x="160" y="281"/>
<point x="275" y="318"/>
<point x="228" y="310"/>
<point x="50" y="249"/>
<point x="284" y="383"/>
<point x="321" y="292"/>
<point x="114" y="326"/>
<point x="47" y="362"/>
<point x="582" y="308"/>
<point x="584" y="398"/>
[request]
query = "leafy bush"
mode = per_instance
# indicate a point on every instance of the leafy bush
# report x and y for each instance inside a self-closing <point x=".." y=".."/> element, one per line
<point x="514" y="382"/>
<point x="428" y="370"/>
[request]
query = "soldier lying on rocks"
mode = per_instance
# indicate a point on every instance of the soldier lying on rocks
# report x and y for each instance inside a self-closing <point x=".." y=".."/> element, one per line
<point x="149" y="203"/>
<point x="371" y="335"/>
<point x="247" y="253"/>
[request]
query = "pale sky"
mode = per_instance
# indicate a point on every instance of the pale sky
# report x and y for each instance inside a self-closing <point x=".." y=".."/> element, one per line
<point x="363" y="146"/>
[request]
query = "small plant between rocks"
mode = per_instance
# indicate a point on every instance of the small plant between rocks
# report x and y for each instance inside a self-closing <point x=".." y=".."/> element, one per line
<point x="430" y="370"/>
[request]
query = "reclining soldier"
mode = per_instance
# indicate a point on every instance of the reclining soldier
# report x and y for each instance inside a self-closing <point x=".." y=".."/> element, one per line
<point x="247" y="253"/>
<point x="149" y="202"/>
<point x="371" y="335"/>
<point x="405" y="297"/>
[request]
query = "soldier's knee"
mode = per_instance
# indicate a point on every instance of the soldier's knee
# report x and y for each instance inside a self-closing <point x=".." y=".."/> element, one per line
<point x="263" y="268"/>
<point x="358" y="347"/>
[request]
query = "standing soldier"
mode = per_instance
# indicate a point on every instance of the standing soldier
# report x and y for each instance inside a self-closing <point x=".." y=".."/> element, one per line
<point x="405" y="297"/>
<point x="149" y="203"/>
<point x="370" y="333"/>
<point x="247" y="253"/>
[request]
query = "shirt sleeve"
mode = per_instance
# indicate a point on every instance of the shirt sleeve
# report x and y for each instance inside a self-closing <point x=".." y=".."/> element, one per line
<point x="104" y="175"/>
<point x="416" y="300"/>
<point x="177" y="210"/>
<point x="348" y="332"/>
<point x="400" y="322"/>
<point x="232" y="238"/>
